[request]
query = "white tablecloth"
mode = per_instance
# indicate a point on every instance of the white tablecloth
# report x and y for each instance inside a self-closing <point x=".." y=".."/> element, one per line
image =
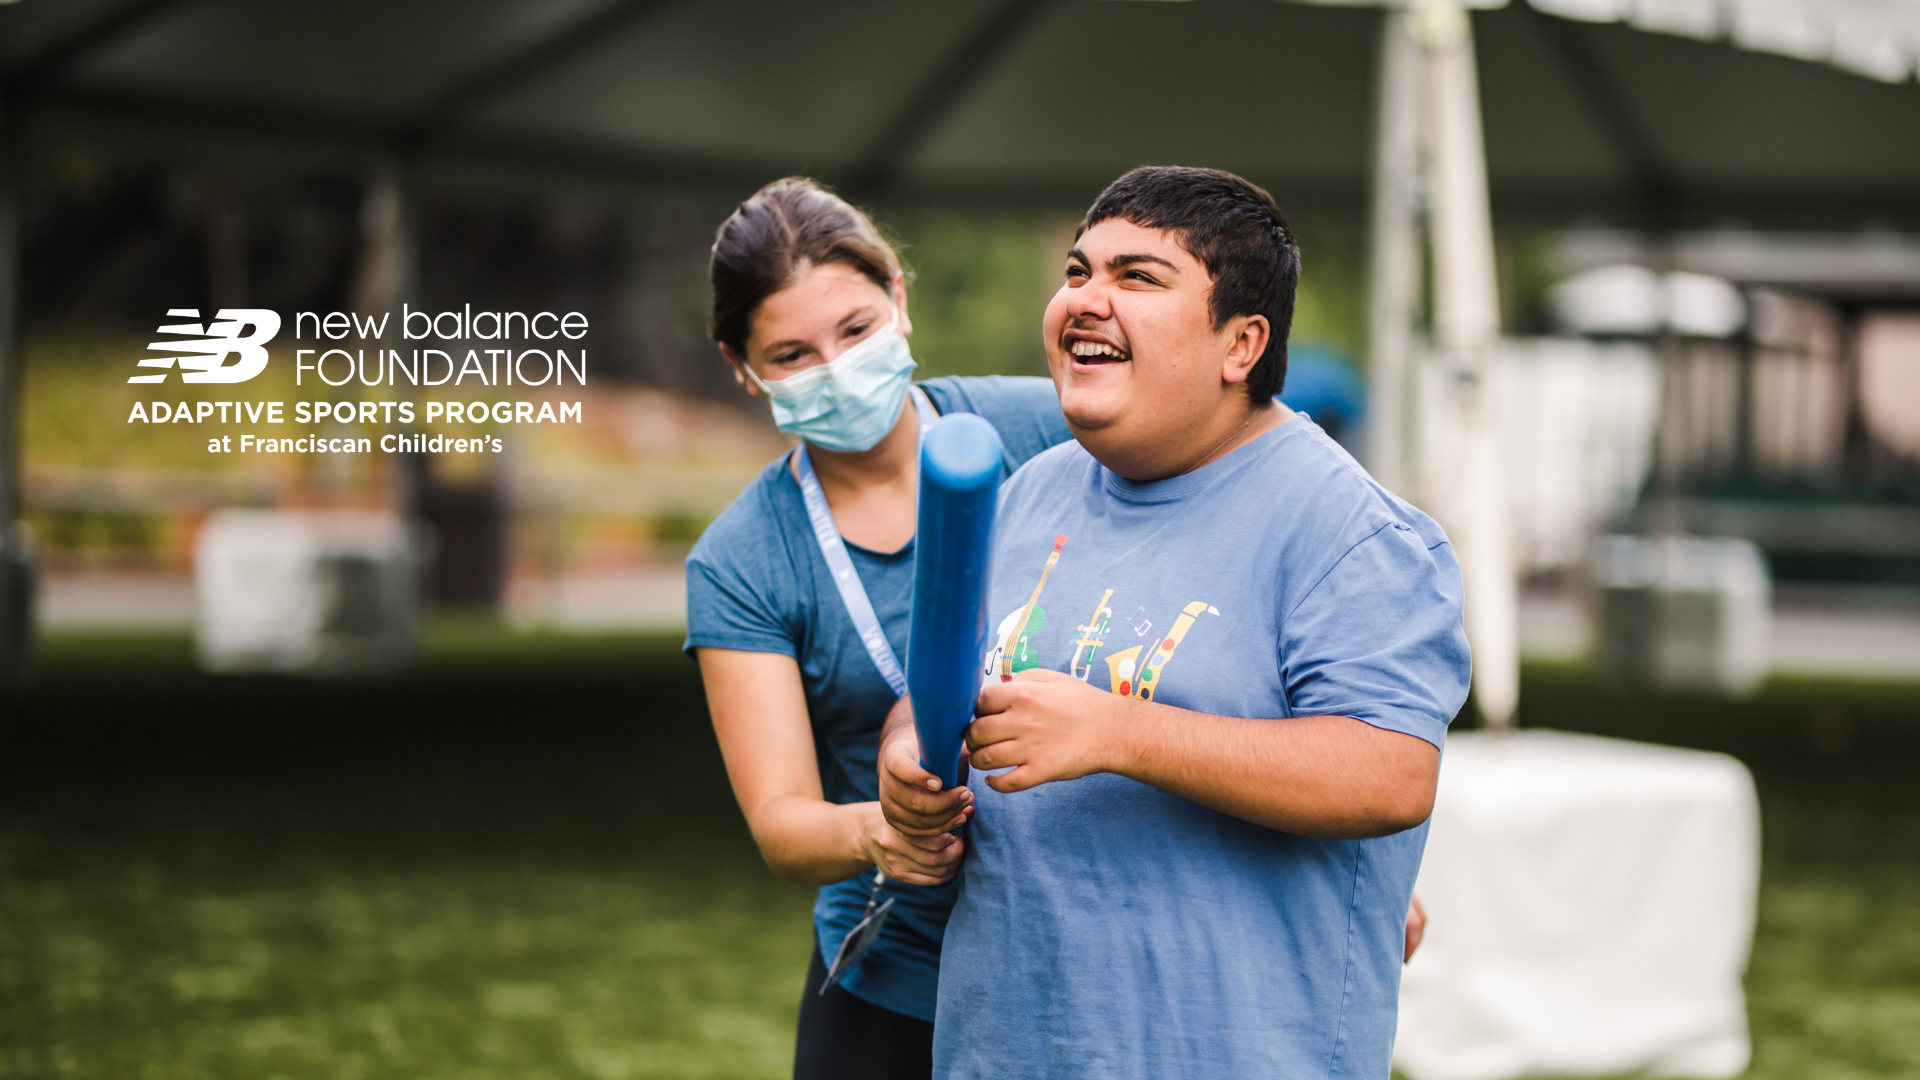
<point x="1591" y="905"/>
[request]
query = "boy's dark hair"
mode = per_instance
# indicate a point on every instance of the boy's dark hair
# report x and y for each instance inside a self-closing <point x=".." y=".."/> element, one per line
<point x="1237" y="231"/>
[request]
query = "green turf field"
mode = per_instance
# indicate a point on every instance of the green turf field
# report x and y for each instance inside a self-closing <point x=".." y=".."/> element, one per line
<point x="522" y="861"/>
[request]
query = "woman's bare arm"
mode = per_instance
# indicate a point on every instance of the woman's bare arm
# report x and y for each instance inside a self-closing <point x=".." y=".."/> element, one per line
<point x="760" y="716"/>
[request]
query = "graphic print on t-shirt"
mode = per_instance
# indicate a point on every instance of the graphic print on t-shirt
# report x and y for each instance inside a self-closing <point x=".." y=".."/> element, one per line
<point x="1127" y="674"/>
<point x="1085" y="648"/>
<point x="1021" y="625"/>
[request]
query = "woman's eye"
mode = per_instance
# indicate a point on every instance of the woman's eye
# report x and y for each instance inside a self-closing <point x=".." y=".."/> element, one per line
<point x="856" y="331"/>
<point x="787" y="358"/>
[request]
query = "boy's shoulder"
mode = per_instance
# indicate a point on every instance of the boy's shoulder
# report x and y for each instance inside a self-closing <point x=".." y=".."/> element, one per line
<point x="1297" y="458"/>
<point x="1321" y="482"/>
<point x="1294" y="485"/>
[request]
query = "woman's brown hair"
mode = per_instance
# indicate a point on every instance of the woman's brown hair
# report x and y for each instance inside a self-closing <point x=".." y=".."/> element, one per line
<point x="785" y="227"/>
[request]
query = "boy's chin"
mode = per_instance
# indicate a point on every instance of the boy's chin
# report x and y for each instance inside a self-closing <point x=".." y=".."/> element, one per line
<point x="1088" y="411"/>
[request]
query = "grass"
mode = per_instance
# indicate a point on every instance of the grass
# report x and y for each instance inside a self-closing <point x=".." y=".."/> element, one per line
<point x="523" y="861"/>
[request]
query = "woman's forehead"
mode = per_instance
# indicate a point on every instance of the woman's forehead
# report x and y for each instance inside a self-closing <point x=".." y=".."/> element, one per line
<point x="817" y="301"/>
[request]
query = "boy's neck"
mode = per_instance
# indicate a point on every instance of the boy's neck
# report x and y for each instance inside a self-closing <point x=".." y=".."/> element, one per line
<point x="1195" y="449"/>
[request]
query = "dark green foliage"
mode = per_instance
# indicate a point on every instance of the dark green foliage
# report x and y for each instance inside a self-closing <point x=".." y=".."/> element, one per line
<point x="678" y="528"/>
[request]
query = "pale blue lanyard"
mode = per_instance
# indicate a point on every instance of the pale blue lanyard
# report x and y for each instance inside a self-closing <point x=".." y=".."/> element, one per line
<point x="840" y="564"/>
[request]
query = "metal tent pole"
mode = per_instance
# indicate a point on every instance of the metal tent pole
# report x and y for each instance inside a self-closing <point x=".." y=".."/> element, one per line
<point x="16" y="568"/>
<point x="1471" y="496"/>
<point x="1394" y="293"/>
<point x="388" y="277"/>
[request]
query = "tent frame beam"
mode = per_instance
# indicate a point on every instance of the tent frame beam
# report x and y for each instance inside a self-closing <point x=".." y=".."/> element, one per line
<point x="877" y="169"/>
<point x="1656" y="186"/>
<point x="503" y="75"/>
<point x="55" y="61"/>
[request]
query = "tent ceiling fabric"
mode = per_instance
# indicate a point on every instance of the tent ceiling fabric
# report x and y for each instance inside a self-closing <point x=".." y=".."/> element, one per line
<point x="1011" y="100"/>
<point x="1876" y="38"/>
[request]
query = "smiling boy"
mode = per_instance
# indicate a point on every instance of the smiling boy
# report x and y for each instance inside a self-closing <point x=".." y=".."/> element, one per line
<point x="1224" y="667"/>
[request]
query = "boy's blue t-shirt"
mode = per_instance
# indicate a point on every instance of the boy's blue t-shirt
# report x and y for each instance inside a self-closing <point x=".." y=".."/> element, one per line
<point x="756" y="581"/>
<point x="1106" y="928"/>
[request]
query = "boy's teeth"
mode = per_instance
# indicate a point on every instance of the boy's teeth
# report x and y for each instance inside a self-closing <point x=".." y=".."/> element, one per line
<point x="1095" y="348"/>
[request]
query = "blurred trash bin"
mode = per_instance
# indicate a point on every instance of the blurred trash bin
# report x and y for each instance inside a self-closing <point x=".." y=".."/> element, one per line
<point x="1682" y="613"/>
<point x="1590" y="911"/>
<point x="311" y="592"/>
<point x="468" y="522"/>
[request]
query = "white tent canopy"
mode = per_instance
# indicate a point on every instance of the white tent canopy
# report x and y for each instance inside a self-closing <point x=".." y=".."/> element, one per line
<point x="999" y="99"/>
<point x="1876" y="38"/>
<point x="1551" y="114"/>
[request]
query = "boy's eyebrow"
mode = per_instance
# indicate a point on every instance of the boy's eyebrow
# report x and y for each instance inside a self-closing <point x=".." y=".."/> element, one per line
<point x="1119" y="262"/>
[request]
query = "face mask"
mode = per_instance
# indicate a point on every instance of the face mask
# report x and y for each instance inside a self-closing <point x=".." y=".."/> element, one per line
<point x="850" y="403"/>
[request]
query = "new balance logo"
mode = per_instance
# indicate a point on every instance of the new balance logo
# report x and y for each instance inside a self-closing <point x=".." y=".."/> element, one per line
<point x="207" y="346"/>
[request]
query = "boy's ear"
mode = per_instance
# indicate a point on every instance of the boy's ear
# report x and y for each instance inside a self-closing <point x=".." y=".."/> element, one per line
<point x="1250" y="334"/>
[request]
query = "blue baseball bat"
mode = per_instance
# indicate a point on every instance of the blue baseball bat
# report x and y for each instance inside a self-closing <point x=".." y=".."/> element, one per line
<point x="961" y="460"/>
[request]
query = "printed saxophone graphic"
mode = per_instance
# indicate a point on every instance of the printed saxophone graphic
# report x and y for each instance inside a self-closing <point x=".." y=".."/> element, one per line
<point x="1162" y="650"/>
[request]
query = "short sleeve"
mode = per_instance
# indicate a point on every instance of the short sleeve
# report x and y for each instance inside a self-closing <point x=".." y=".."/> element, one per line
<point x="741" y="581"/>
<point x="725" y="611"/>
<point x="1380" y="638"/>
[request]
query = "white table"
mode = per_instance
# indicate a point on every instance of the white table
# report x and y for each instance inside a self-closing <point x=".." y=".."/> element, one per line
<point x="317" y="592"/>
<point x="1591" y="905"/>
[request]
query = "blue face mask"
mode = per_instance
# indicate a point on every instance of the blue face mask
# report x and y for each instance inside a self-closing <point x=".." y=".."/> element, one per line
<point x="850" y="403"/>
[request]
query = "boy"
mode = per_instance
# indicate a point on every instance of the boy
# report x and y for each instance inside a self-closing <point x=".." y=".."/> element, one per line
<point x="1225" y="663"/>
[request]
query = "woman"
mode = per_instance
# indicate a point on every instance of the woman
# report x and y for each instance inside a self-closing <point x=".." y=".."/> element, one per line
<point x="810" y="309"/>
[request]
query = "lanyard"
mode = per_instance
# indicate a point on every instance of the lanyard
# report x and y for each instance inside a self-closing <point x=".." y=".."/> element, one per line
<point x="840" y="564"/>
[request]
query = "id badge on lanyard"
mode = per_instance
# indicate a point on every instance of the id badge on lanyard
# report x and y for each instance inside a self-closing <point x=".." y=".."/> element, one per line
<point x="860" y="939"/>
<point x="853" y="595"/>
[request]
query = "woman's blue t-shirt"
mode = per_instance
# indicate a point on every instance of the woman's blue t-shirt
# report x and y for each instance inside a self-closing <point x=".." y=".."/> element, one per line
<point x="757" y="582"/>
